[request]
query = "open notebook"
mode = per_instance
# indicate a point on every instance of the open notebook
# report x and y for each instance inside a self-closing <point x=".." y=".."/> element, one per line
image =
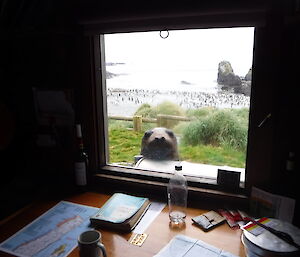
<point x="185" y="246"/>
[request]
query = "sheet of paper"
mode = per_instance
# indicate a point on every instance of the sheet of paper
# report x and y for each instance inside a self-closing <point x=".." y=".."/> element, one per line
<point x="265" y="204"/>
<point x="185" y="246"/>
<point x="154" y="210"/>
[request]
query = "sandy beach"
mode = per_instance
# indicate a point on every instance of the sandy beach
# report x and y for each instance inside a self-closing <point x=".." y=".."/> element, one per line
<point x="126" y="101"/>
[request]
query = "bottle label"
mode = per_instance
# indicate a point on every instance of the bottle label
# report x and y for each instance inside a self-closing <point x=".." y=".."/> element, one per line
<point x="80" y="173"/>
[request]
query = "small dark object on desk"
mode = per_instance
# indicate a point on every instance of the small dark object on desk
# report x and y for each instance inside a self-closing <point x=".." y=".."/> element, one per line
<point x="208" y="220"/>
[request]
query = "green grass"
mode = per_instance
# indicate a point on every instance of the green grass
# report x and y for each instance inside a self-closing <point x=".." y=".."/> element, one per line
<point x="209" y="154"/>
<point x="124" y="144"/>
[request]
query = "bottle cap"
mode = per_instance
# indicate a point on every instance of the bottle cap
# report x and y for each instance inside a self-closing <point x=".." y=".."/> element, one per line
<point x="178" y="167"/>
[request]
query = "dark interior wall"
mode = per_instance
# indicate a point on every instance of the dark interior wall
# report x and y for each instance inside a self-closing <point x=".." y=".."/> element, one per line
<point x="42" y="46"/>
<point x="17" y="154"/>
<point x="43" y="61"/>
<point x="274" y="93"/>
<point x="286" y="127"/>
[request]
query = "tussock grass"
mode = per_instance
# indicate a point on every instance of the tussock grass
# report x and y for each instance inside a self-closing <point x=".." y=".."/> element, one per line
<point x="167" y="108"/>
<point x="224" y="127"/>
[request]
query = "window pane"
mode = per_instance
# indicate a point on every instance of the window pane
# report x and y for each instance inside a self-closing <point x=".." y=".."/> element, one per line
<point x="194" y="83"/>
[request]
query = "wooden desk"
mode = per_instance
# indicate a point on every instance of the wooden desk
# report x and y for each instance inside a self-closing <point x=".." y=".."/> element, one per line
<point x="159" y="232"/>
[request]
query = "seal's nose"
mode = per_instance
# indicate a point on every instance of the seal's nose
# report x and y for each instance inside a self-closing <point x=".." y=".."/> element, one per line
<point x="160" y="139"/>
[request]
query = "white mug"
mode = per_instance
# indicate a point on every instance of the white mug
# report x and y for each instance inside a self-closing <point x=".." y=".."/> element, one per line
<point x="90" y="244"/>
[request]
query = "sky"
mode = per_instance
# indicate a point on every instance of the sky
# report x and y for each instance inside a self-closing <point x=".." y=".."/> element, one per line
<point x="183" y="49"/>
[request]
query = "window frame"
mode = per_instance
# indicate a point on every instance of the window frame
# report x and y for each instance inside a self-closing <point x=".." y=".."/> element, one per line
<point x="103" y="173"/>
<point x="140" y="174"/>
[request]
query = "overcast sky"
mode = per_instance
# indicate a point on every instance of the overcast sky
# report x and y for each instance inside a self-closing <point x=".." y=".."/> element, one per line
<point x="185" y="49"/>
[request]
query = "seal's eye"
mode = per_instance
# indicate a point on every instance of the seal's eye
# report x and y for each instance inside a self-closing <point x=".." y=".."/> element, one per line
<point x="148" y="133"/>
<point x="170" y="133"/>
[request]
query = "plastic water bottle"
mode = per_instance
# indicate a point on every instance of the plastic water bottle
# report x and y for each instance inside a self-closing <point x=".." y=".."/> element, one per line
<point x="177" y="196"/>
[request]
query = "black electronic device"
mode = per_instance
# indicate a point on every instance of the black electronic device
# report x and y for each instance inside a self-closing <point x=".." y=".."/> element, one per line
<point x="228" y="179"/>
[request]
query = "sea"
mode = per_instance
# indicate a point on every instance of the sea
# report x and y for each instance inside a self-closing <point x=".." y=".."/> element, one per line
<point x="169" y="79"/>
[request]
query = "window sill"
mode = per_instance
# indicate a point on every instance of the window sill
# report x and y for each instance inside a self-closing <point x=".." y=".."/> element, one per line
<point x="189" y="169"/>
<point x="153" y="185"/>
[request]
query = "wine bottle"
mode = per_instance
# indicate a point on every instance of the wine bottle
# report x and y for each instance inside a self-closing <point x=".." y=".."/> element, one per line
<point x="81" y="161"/>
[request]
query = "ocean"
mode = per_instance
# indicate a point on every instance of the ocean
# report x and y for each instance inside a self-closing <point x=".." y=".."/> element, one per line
<point x="175" y="79"/>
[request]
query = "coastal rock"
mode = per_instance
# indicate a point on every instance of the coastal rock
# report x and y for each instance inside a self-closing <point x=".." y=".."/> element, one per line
<point x="114" y="63"/>
<point x="248" y="76"/>
<point x="244" y="89"/>
<point x="232" y="83"/>
<point x="184" y="82"/>
<point x="110" y="75"/>
<point x="226" y="76"/>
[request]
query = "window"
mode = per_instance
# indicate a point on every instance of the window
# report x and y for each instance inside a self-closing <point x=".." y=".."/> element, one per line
<point x="196" y="83"/>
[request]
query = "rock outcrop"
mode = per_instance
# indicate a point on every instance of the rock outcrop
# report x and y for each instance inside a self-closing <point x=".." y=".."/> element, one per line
<point x="244" y="89"/>
<point x="226" y="75"/>
<point x="110" y="75"/>
<point x="231" y="82"/>
<point x="184" y="82"/>
<point x="248" y="76"/>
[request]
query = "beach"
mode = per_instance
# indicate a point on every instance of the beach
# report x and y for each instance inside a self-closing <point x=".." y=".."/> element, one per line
<point x="124" y="102"/>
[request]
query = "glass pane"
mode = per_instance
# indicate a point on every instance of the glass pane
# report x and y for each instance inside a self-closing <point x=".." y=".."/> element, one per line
<point x="195" y="84"/>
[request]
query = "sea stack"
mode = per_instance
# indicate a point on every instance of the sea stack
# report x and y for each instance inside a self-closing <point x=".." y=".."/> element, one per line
<point x="226" y="76"/>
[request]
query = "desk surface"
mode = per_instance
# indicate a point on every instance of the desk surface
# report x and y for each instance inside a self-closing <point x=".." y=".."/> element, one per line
<point x="159" y="232"/>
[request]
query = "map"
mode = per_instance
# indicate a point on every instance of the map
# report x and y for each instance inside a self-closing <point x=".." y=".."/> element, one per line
<point x="53" y="234"/>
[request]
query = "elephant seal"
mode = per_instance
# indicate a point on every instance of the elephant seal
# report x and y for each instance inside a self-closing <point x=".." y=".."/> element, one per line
<point x="159" y="144"/>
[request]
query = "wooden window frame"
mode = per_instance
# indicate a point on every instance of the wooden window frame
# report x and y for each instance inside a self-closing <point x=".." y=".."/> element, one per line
<point x="120" y="178"/>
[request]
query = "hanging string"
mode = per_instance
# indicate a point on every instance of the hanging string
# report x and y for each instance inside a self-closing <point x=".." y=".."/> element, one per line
<point x="164" y="34"/>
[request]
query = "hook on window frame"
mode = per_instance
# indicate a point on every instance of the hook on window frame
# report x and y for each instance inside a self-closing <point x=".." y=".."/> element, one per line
<point x="164" y="37"/>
